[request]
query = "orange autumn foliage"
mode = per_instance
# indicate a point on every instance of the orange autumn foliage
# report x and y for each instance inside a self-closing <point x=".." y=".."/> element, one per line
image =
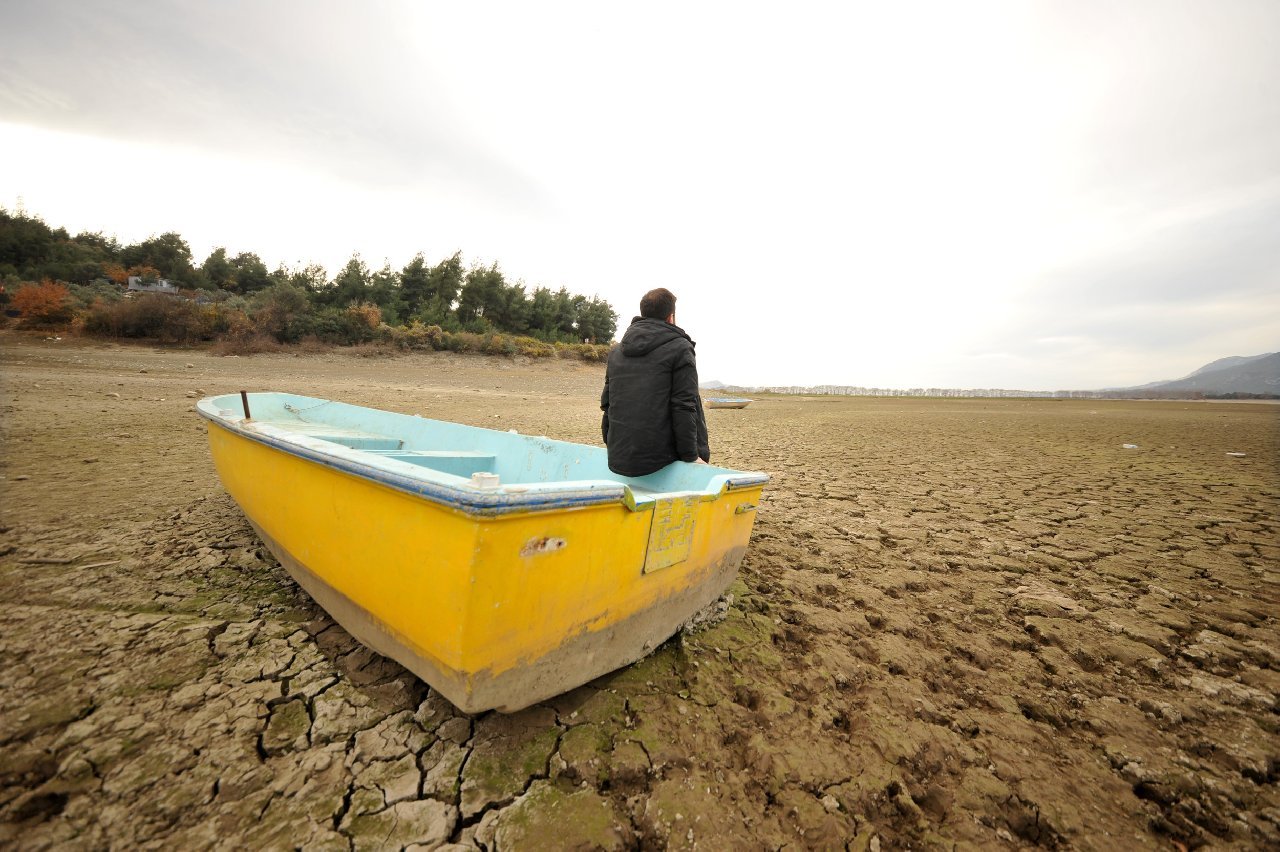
<point x="365" y="313"/>
<point x="43" y="303"/>
<point x="115" y="272"/>
<point x="146" y="273"/>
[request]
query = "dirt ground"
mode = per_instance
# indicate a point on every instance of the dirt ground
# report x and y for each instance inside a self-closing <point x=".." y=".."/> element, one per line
<point x="961" y="623"/>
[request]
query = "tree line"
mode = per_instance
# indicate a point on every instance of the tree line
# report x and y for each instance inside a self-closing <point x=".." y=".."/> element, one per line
<point x="449" y="294"/>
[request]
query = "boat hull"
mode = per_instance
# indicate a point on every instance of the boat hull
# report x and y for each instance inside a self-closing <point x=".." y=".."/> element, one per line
<point x="577" y="660"/>
<point x="492" y="609"/>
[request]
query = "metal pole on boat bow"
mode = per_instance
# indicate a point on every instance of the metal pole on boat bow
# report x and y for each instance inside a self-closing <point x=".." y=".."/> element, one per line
<point x="244" y="400"/>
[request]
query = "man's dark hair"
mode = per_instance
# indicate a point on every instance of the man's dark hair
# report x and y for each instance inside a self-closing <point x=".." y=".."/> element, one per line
<point x="658" y="304"/>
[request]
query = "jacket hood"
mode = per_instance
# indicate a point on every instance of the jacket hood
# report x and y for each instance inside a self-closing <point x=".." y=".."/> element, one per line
<point x="646" y="334"/>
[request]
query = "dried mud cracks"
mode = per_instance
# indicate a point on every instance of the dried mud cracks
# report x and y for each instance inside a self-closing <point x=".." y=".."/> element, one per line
<point x="976" y="623"/>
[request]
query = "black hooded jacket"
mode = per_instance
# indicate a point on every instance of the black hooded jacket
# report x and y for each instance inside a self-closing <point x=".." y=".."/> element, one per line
<point x="652" y="410"/>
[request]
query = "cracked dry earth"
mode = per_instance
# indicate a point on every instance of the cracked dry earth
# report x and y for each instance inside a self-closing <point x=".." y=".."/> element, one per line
<point x="961" y="623"/>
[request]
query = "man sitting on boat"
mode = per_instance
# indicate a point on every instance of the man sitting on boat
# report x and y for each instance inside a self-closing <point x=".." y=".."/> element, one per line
<point x="652" y="411"/>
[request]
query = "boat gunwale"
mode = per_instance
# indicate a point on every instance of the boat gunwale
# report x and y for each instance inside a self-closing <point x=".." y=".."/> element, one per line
<point x="498" y="501"/>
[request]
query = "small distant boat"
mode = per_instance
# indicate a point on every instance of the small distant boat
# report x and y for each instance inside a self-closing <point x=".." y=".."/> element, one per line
<point x="727" y="402"/>
<point x="502" y="569"/>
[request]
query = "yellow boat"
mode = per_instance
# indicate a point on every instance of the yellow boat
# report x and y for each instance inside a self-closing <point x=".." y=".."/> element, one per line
<point x="501" y="568"/>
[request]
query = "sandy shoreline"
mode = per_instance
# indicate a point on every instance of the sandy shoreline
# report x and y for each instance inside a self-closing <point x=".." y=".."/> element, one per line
<point x="974" y="622"/>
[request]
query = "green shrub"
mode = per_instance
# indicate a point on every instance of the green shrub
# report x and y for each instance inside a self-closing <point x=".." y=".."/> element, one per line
<point x="332" y="325"/>
<point x="275" y="308"/>
<point x="497" y="344"/>
<point x="533" y="348"/>
<point x="151" y="315"/>
<point x="415" y="336"/>
<point x="226" y="321"/>
<point x="585" y="351"/>
<point x="463" y="341"/>
<point x="84" y="295"/>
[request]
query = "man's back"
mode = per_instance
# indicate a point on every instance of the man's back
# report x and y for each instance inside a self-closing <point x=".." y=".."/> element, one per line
<point x="652" y="411"/>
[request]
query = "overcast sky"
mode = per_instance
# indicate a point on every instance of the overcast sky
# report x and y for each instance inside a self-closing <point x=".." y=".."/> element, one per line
<point x="1026" y="195"/>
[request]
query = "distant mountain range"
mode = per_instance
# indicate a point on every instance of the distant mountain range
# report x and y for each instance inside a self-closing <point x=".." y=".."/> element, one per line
<point x="1251" y="374"/>
<point x="1237" y="375"/>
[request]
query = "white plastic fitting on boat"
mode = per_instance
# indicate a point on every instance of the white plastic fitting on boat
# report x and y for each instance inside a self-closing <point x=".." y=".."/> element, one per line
<point x="484" y="480"/>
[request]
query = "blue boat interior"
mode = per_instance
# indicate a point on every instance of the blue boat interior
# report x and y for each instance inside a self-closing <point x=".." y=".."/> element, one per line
<point x="451" y="454"/>
<point x="457" y="463"/>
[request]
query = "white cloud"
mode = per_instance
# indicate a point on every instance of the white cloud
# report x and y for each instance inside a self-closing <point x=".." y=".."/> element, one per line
<point x="843" y="193"/>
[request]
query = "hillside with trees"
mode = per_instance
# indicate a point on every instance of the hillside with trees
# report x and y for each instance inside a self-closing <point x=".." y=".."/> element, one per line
<point x="51" y="278"/>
